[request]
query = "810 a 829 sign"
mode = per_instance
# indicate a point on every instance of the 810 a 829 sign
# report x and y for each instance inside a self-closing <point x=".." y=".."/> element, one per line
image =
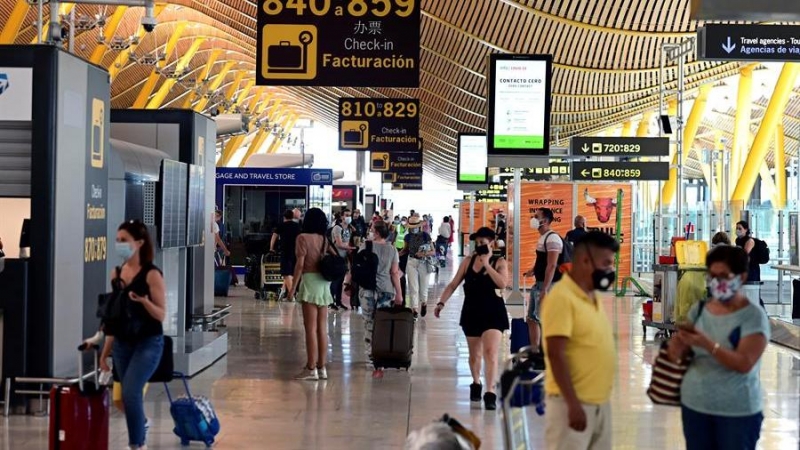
<point x="379" y="124"/>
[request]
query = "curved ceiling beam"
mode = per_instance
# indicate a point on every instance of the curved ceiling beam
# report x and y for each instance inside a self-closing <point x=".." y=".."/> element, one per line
<point x="596" y="28"/>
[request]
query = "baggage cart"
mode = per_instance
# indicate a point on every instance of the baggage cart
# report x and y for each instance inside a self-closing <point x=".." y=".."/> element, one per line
<point x="521" y="390"/>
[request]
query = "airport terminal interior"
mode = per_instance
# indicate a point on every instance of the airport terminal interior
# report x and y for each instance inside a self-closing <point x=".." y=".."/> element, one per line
<point x="204" y="136"/>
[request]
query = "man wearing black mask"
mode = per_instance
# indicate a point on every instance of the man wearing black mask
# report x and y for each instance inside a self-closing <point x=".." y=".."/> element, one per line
<point x="579" y="345"/>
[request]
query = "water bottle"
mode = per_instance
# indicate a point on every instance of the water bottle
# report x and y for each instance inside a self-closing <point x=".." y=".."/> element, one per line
<point x="107" y="377"/>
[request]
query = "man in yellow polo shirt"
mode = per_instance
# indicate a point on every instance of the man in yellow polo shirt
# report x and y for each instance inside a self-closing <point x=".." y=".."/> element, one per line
<point x="579" y="345"/>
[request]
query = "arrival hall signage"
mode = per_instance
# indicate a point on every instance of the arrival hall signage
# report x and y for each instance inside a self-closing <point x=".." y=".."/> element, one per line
<point x="749" y="42"/>
<point x="379" y="124"/>
<point x="365" y="43"/>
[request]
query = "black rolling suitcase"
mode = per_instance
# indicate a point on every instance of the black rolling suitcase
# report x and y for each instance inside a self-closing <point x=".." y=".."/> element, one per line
<point x="393" y="338"/>
<point x="795" y="299"/>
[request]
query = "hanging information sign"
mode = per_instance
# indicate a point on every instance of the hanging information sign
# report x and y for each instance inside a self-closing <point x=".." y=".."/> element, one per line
<point x="366" y="43"/>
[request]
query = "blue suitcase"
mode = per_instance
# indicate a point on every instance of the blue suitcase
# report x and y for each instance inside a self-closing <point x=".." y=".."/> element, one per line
<point x="222" y="281"/>
<point x="194" y="417"/>
<point x="222" y="276"/>
<point x="520" y="337"/>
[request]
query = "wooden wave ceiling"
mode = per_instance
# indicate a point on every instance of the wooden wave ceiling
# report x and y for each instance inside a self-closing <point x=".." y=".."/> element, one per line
<point x="606" y="53"/>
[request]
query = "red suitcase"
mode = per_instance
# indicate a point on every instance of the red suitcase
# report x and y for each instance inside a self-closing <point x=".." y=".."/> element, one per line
<point x="79" y="414"/>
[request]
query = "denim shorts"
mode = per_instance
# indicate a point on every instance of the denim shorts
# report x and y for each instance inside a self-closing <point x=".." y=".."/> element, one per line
<point x="533" y="302"/>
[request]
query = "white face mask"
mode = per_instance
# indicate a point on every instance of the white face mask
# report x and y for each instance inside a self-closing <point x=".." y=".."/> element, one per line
<point x="535" y="223"/>
<point x="741" y="233"/>
<point x="348" y="220"/>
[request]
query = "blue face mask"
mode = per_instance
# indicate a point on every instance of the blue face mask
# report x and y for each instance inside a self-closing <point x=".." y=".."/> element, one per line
<point x="124" y="250"/>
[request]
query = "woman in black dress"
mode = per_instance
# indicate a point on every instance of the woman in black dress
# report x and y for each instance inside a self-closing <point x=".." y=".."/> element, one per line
<point x="483" y="316"/>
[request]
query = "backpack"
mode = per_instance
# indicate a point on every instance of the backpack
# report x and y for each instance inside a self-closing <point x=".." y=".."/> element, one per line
<point x="365" y="268"/>
<point x="565" y="257"/>
<point x="760" y="252"/>
<point x="332" y="267"/>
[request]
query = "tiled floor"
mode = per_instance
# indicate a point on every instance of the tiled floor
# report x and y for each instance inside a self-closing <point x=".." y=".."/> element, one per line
<point x="262" y="408"/>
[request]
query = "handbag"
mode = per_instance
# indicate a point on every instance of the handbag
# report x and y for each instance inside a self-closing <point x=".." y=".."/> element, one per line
<point x="332" y="267"/>
<point x="665" y="383"/>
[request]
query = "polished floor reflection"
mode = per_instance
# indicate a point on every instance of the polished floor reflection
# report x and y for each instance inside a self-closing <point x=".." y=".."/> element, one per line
<point x="260" y="407"/>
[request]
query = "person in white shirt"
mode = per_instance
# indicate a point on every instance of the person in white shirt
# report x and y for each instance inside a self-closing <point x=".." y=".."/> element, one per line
<point x="444" y="237"/>
<point x="220" y="244"/>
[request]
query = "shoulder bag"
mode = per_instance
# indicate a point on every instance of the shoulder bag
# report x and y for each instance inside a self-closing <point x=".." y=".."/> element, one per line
<point x="332" y="267"/>
<point x="665" y="384"/>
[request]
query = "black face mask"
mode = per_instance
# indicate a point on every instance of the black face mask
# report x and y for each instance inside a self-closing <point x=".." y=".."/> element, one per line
<point x="602" y="279"/>
<point x="482" y="249"/>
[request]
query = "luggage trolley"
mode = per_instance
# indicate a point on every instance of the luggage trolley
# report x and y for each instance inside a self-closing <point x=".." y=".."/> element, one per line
<point x="521" y="386"/>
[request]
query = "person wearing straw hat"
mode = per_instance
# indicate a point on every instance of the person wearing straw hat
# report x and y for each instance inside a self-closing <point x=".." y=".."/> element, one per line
<point x="418" y="245"/>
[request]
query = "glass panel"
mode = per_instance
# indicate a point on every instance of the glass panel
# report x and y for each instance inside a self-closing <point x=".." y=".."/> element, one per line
<point x="252" y="213"/>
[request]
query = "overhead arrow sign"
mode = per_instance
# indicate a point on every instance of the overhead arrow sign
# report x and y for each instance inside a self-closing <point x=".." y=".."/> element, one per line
<point x="718" y="42"/>
<point x="619" y="147"/>
<point x="619" y="171"/>
<point x="729" y="47"/>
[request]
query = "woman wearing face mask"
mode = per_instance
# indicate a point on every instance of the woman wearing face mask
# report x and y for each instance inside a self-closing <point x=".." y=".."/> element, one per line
<point x="744" y="240"/>
<point x="136" y="347"/>
<point x="483" y="315"/>
<point x="418" y="246"/>
<point x="721" y="393"/>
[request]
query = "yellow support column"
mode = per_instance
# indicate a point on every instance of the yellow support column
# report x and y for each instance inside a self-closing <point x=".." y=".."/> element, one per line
<point x="214" y="85"/>
<point x="644" y="125"/>
<point x="123" y="57"/>
<point x="741" y="122"/>
<point x="14" y="22"/>
<point x="233" y="145"/>
<point x="182" y="64"/>
<point x="150" y="84"/>
<point x="780" y="166"/>
<point x="689" y="133"/>
<point x="234" y="87"/>
<point x="287" y="129"/>
<point x="281" y="119"/>
<point x="261" y="136"/>
<point x="108" y="33"/>
<point x="772" y="117"/>
<point x="212" y="59"/>
<point x="627" y="129"/>
<point x="63" y="10"/>
<point x="242" y="94"/>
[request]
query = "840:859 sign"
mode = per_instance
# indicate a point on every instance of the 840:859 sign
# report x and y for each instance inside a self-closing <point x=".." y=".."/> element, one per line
<point x="338" y="43"/>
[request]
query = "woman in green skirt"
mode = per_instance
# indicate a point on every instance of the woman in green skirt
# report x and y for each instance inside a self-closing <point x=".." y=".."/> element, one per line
<point x="313" y="293"/>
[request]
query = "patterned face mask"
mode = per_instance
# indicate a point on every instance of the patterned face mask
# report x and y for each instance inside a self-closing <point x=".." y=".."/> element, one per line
<point x="724" y="289"/>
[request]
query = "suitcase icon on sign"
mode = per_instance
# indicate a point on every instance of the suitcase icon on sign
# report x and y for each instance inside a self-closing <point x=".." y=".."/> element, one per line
<point x="354" y="134"/>
<point x="286" y="57"/>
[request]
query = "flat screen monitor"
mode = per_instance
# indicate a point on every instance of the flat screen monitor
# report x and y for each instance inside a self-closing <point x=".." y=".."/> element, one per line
<point x="519" y="105"/>
<point x="196" y="215"/>
<point x="473" y="160"/>
<point x="172" y="204"/>
<point x="25" y="234"/>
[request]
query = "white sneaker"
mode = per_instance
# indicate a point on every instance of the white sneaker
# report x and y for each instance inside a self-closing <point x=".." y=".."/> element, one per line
<point x="322" y="373"/>
<point x="307" y="374"/>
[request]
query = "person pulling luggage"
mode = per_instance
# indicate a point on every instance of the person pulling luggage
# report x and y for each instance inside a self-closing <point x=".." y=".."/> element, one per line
<point x="136" y="328"/>
<point x="376" y="268"/>
<point x="483" y="315"/>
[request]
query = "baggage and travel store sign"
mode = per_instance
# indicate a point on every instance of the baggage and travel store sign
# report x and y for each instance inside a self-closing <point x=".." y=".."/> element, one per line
<point x="379" y="124"/>
<point x="358" y="43"/>
<point x="749" y="42"/>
